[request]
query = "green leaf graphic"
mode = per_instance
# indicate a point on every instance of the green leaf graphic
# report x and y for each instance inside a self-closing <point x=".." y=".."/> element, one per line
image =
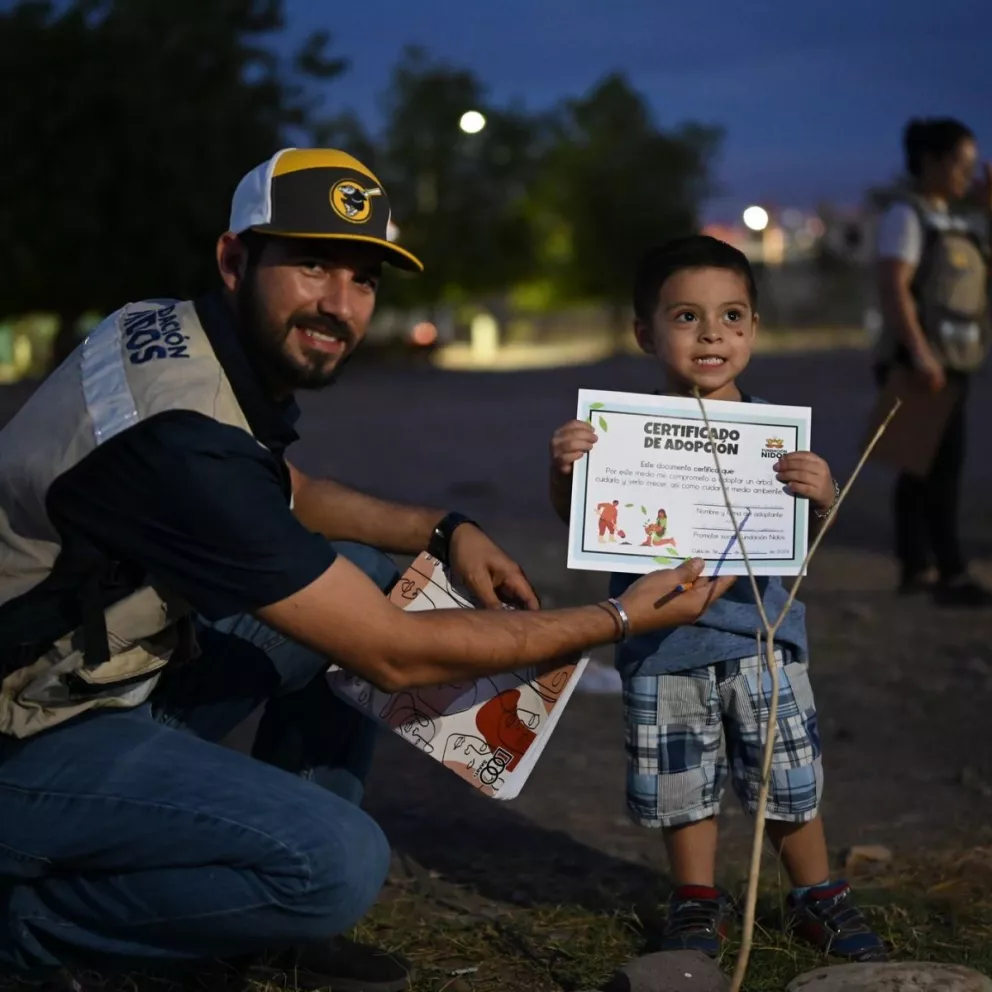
<point x="628" y="505"/>
<point x="603" y="425"/>
<point x="644" y="510"/>
<point x="596" y="406"/>
<point x="662" y="561"/>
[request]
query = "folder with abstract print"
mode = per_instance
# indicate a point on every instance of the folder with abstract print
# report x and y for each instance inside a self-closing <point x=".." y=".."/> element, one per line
<point x="489" y="732"/>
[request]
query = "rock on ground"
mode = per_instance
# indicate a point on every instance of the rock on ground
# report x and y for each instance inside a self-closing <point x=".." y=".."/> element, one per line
<point x="670" y="971"/>
<point x="908" y="976"/>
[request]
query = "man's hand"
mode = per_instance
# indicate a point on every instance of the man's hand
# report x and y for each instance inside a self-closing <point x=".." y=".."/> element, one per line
<point x="672" y="597"/>
<point x="487" y="572"/>
<point x="807" y="475"/>
<point x="568" y="444"/>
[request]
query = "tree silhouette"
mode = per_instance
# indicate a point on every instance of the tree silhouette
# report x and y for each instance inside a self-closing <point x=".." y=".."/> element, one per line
<point x="130" y="123"/>
<point x="459" y="198"/>
<point x="613" y="185"/>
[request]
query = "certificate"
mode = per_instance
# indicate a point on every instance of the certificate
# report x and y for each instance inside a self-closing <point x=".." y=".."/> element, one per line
<point x="648" y="495"/>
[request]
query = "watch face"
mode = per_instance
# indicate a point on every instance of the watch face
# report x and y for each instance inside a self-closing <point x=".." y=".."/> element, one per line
<point x="438" y="545"/>
<point x="441" y="538"/>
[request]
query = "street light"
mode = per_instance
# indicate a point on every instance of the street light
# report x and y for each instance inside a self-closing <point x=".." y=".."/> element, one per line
<point x="472" y="122"/>
<point x="756" y="218"/>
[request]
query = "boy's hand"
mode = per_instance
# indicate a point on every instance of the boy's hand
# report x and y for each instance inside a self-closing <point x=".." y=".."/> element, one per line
<point x="569" y="444"/>
<point x="807" y="475"/>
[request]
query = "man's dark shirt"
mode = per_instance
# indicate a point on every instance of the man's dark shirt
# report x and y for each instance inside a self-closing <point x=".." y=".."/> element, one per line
<point x="200" y="506"/>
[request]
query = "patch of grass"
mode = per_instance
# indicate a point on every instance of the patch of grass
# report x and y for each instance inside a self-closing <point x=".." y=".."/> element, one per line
<point x="937" y="909"/>
<point x="931" y="909"/>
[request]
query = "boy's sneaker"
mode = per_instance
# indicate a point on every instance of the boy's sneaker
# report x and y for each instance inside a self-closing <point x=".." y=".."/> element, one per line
<point x="697" y="920"/>
<point x="826" y="917"/>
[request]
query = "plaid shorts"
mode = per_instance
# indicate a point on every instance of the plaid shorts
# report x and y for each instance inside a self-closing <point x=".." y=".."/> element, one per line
<point x="686" y="730"/>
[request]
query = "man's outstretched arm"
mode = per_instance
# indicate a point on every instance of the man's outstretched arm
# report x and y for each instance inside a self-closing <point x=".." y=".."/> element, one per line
<point x="344" y="616"/>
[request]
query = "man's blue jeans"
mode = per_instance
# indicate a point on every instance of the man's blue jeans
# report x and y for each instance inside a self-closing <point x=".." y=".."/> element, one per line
<point x="130" y="838"/>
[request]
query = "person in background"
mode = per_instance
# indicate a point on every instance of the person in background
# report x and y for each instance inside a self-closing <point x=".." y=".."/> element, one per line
<point x="933" y="271"/>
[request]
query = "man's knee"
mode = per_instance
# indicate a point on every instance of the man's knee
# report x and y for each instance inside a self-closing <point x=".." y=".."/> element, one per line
<point x="348" y="862"/>
<point x="379" y="567"/>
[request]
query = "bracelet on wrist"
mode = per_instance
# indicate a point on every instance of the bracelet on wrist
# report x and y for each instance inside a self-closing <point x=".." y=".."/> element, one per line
<point x="823" y="514"/>
<point x="622" y="619"/>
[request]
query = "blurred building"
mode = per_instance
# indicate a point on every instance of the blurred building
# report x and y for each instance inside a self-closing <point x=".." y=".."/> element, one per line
<point x="813" y="267"/>
<point x="790" y="236"/>
<point x="813" y="270"/>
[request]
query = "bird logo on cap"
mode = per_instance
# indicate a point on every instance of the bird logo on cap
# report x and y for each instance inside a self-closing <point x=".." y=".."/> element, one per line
<point x="352" y="201"/>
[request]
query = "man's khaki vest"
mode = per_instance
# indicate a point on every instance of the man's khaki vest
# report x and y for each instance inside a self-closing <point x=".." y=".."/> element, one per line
<point x="143" y="360"/>
<point x="951" y="290"/>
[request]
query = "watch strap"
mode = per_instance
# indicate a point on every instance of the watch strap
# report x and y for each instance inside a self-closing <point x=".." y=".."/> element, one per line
<point x="439" y="545"/>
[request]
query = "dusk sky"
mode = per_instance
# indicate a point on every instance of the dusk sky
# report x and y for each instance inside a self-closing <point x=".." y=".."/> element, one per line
<point x="812" y="94"/>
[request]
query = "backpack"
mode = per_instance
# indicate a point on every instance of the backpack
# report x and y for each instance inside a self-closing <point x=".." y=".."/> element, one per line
<point x="951" y="288"/>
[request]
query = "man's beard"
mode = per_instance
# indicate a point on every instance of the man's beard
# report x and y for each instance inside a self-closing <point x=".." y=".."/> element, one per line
<point x="265" y="342"/>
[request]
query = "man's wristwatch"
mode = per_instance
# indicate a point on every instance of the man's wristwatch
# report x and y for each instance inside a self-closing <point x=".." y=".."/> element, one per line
<point x="439" y="545"/>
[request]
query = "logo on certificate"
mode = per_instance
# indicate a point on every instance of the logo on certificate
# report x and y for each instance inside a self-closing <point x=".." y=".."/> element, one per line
<point x="774" y="446"/>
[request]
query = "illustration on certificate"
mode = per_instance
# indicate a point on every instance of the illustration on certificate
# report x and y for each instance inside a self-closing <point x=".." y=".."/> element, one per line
<point x="648" y="494"/>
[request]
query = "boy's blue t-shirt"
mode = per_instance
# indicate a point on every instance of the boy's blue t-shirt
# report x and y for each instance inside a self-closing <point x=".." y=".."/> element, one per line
<point x="727" y="630"/>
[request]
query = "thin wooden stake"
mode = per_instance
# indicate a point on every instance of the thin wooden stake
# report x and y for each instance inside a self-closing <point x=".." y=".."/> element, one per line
<point x="770" y="630"/>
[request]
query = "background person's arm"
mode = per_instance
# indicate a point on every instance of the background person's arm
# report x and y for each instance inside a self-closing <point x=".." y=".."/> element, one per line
<point x="900" y="246"/>
<point x="895" y="280"/>
<point x="344" y="616"/>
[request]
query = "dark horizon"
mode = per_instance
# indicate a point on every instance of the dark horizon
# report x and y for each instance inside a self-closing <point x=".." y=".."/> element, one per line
<point x="812" y="99"/>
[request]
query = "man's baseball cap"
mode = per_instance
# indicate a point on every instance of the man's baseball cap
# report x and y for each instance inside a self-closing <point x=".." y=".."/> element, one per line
<point x="317" y="193"/>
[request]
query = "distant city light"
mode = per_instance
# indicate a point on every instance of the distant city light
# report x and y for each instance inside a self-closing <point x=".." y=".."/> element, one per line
<point x="756" y="218"/>
<point x="472" y="122"/>
<point x="792" y="218"/>
<point x="423" y="334"/>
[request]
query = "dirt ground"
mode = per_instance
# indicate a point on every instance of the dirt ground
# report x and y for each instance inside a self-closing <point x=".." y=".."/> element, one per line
<point x="903" y="688"/>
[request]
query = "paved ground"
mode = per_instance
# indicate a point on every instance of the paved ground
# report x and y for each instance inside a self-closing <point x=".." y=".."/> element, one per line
<point x="903" y="689"/>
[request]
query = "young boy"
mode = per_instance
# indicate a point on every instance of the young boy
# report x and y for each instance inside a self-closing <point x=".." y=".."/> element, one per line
<point x="689" y="690"/>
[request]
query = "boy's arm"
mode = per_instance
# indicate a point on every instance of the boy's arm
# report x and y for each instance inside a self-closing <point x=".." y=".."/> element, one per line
<point x="568" y="444"/>
<point x="816" y="524"/>
<point x="808" y="476"/>
<point x="561" y="495"/>
<point x="818" y="519"/>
